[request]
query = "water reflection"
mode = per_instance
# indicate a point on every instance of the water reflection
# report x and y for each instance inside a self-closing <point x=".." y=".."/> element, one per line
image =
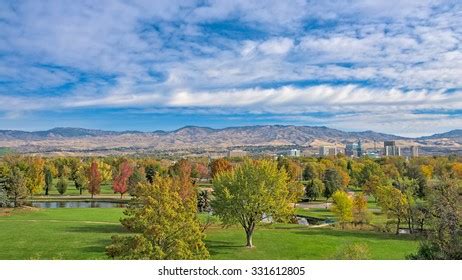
<point x="78" y="204"/>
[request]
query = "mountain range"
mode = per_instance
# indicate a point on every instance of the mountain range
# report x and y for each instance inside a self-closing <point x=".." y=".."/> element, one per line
<point x="66" y="139"/>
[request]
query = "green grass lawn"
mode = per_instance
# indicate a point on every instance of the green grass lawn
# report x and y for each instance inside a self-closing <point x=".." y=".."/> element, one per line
<point x="83" y="233"/>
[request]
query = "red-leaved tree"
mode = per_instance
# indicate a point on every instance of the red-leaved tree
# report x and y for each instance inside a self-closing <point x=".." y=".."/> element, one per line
<point x="94" y="179"/>
<point x="120" y="183"/>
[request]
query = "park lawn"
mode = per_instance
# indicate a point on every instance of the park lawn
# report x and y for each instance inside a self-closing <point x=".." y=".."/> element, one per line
<point x="106" y="189"/>
<point x="66" y="233"/>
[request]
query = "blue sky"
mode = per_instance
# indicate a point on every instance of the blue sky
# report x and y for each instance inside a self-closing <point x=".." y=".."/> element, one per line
<point x="385" y="65"/>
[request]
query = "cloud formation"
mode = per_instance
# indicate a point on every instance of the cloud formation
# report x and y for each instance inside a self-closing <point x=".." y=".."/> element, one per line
<point x="364" y="63"/>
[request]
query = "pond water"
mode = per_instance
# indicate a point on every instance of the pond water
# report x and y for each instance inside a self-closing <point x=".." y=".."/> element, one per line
<point x="77" y="204"/>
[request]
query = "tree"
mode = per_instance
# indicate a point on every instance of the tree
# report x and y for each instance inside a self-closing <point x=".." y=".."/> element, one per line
<point x="81" y="179"/>
<point x="94" y="179"/>
<point x="61" y="186"/>
<point x="361" y="214"/>
<point x="203" y="201"/>
<point x="314" y="189"/>
<point x="163" y="227"/>
<point x="393" y="203"/>
<point x="16" y="187"/>
<point x="120" y="182"/>
<point x="444" y="240"/>
<point x="333" y="181"/>
<point x="251" y="191"/>
<point x="48" y="180"/>
<point x="138" y="176"/>
<point x="105" y="171"/>
<point x="342" y="207"/>
<point x="34" y="175"/>
<point x="219" y="166"/>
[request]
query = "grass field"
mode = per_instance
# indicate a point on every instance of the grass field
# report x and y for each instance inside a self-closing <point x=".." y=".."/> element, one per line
<point x="83" y="233"/>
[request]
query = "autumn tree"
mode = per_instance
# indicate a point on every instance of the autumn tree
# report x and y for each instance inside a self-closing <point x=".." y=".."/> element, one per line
<point x="105" y="171"/>
<point x="80" y="178"/>
<point x="361" y="214"/>
<point x="163" y="226"/>
<point x="342" y="207"/>
<point x="34" y="175"/>
<point x="120" y="182"/>
<point x="219" y="166"/>
<point x="94" y="179"/>
<point x="251" y="191"/>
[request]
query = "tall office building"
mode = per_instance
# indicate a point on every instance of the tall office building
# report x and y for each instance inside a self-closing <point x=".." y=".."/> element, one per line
<point x="294" y="153"/>
<point x="351" y="149"/>
<point x="390" y="149"/>
<point x="327" y="151"/>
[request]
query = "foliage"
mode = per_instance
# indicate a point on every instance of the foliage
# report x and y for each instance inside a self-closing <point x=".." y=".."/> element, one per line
<point x="120" y="182"/>
<point x="333" y="181"/>
<point x="353" y="251"/>
<point x="16" y="186"/>
<point x="393" y="203"/>
<point x="138" y="176"/>
<point x="342" y="207"/>
<point x="251" y="191"/>
<point x="203" y="201"/>
<point x="94" y="179"/>
<point x="61" y="186"/>
<point x="164" y="226"/>
<point x="35" y="179"/>
<point x="48" y="180"/>
<point x="219" y="166"/>
<point x="314" y="189"/>
<point x="361" y="214"/>
<point x="444" y="240"/>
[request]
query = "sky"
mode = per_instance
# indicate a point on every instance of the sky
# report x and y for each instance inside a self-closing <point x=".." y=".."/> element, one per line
<point x="392" y="66"/>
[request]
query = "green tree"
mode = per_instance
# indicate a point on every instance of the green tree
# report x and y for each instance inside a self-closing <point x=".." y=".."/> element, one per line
<point x="342" y="207"/>
<point x="333" y="181"/>
<point x="16" y="187"/>
<point x="444" y="240"/>
<point x="164" y="227"/>
<point x="251" y="191"/>
<point x="393" y="203"/>
<point x="61" y="186"/>
<point x="48" y="180"/>
<point x="138" y="176"/>
<point x="314" y="189"/>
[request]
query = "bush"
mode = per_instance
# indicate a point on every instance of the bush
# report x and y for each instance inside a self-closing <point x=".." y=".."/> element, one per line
<point x="61" y="186"/>
<point x="4" y="202"/>
<point x="353" y="251"/>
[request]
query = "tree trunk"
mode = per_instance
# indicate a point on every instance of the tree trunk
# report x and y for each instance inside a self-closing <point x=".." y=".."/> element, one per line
<point x="46" y="191"/>
<point x="249" y="238"/>
<point x="80" y="191"/>
<point x="91" y="195"/>
<point x="397" y="226"/>
<point x="121" y="194"/>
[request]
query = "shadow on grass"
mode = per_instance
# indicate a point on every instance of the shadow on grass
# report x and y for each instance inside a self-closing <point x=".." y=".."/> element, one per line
<point x="98" y="228"/>
<point x="221" y="247"/>
<point x="353" y="233"/>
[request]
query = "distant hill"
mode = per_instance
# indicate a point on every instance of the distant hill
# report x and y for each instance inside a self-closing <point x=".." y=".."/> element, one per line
<point x="67" y="139"/>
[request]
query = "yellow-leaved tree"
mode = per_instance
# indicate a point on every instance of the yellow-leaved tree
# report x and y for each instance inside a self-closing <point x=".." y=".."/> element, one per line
<point x="164" y="224"/>
<point x="252" y="191"/>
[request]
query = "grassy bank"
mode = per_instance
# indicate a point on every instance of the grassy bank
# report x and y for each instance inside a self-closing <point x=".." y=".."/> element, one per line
<point x="83" y="234"/>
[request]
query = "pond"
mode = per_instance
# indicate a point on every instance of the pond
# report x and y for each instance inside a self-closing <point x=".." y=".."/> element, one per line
<point x="77" y="204"/>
